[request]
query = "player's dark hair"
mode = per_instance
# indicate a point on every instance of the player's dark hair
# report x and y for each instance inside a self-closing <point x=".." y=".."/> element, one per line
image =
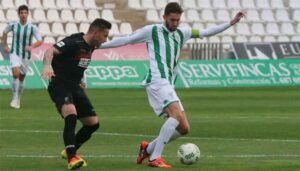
<point x="22" y="7"/>
<point x="173" y="7"/>
<point x="100" y="24"/>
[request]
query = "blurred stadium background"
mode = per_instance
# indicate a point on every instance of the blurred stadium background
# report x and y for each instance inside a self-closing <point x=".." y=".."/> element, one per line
<point x="267" y="20"/>
<point x="236" y="128"/>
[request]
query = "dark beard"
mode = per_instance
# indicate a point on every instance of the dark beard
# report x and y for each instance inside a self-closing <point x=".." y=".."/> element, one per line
<point x="170" y="29"/>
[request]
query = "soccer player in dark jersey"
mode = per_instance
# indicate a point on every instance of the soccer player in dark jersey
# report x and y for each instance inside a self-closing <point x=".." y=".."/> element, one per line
<point x="64" y="65"/>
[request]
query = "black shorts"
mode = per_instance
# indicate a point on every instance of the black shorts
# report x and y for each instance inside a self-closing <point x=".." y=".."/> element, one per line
<point x="62" y="93"/>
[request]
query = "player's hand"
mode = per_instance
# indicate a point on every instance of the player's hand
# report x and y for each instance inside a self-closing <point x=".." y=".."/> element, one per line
<point x="6" y="49"/>
<point x="47" y="73"/>
<point x="83" y="85"/>
<point x="238" y="17"/>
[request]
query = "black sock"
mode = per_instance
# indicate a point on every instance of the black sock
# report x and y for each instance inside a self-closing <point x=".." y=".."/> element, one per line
<point x="85" y="134"/>
<point x="69" y="135"/>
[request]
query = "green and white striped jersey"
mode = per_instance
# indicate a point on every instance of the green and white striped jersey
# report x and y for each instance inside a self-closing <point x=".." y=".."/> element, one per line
<point x="163" y="47"/>
<point x="22" y="37"/>
<point x="164" y="50"/>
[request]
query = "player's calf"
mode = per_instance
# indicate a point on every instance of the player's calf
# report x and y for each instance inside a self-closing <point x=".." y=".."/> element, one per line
<point x="85" y="134"/>
<point x="183" y="129"/>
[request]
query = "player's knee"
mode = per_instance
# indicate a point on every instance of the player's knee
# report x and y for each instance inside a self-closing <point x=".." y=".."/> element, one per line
<point x="15" y="76"/>
<point x="177" y="114"/>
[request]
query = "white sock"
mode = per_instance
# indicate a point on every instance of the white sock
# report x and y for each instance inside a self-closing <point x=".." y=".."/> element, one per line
<point x="152" y="144"/>
<point x="164" y="136"/>
<point x="175" y="135"/>
<point x="20" y="89"/>
<point x="15" y="87"/>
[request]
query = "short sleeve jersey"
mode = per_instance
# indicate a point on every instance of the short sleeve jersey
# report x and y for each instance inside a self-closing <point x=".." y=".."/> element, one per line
<point x="74" y="57"/>
<point x="22" y="37"/>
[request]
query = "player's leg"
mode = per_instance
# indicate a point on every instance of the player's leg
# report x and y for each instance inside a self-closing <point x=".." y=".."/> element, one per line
<point x="20" y="88"/>
<point x="87" y="116"/>
<point x="15" y="64"/>
<point x="89" y="126"/>
<point x="15" y="82"/>
<point x="184" y="126"/>
<point x="62" y="96"/>
<point x="181" y="130"/>
<point x="146" y="149"/>
<point x="69" y="114"/>
<point x="167" y="131"/>
<point x="163" y="99"/>
<point x="23" y="70"/>
<point x="21" y="85"/>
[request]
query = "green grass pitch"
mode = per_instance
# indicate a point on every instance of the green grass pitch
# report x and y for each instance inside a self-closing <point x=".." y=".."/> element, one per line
<point x="236" y="129"/>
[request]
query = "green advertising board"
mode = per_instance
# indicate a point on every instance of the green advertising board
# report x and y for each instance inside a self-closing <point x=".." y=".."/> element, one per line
<point x="240" y="73"/>
<point x="32" y="77"/>
<point x="116" y="74"/>
<point x="192" y="74"/>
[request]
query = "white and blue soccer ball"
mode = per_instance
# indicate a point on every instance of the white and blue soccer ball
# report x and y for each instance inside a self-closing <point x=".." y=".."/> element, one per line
<point x="188" y="153"/>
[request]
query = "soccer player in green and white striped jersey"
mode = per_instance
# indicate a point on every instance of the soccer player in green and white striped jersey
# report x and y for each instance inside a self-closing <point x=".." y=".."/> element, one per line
<point x="19" y="54"/>
<point x="164" y="42"/>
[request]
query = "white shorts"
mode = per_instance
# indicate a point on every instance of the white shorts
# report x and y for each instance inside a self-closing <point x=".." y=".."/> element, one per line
<point x="160" y="95"/>
<point x="16" y="61"/>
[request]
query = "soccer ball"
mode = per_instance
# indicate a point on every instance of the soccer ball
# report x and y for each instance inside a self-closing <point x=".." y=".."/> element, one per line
<point x="188" y="153"/>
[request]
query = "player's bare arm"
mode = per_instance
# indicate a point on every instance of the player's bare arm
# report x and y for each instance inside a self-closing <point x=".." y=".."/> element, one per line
<point x="48" y="72"/>
<point x="6" y="48"/>
<point x="35" y="45"/>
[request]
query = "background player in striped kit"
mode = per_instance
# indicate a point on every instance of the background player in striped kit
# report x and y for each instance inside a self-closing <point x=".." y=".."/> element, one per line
<point x="164" y="42"/>
<point x="20" y="55"/>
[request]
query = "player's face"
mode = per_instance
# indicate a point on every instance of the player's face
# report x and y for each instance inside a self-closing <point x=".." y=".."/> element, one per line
<point x="23" y="15"/>
<point x="172" y="21"/>
<point x="100" y="37"/>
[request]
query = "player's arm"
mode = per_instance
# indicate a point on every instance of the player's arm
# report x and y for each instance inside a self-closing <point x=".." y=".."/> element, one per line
<point x="83" y="82"/>
<point x="139" y="36"/>
<point x="6" y="48"/>
<point x="83" y="85"/>
<point x="5" y="33"/>
<point x="64" y="46"/>
<point x="47" y="73"/>
<point x="35" y="45"/>
<point x="218" y="28"/>
<point x="38" y="37"/>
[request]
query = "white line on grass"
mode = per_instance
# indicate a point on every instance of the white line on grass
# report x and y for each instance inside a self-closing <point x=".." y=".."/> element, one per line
<point x="133" y="156"/>
<point x="247" y="118"/>
<point x="144" y="135"/>
<point x="56" y="156"/>
<point x="37" y="70"/>
<point x="253" y="156"/>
